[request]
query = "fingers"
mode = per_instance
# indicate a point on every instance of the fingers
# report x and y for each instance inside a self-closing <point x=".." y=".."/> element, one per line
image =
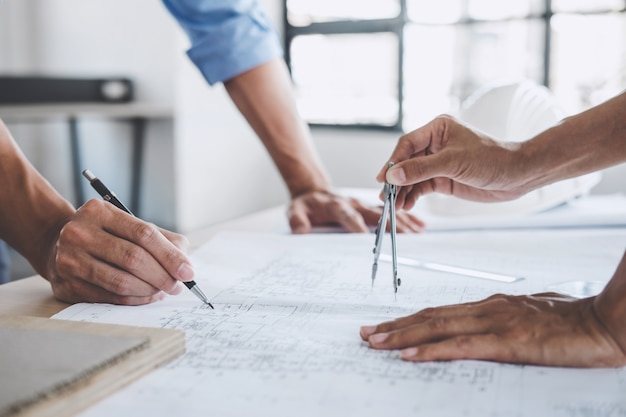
<point x="128" y="260"/>
<point x="177" y="240"/>
<point x="367" y="331"/>
<point x="409" y="194"/>
<point x="408" y="223"/>
<point x="425" y="315"/>
<point x="319" y="208"/>
<point x="405" y="222"/>
<point x="298" y="217"/>
<point x="539" y="329"/>
<point x="75" y="291"/>
<point x="476" y="347"/>
<point x="147" y="251"/>
<point x="468" y="331"/>
<point x="324" y="209"/>
<point x="420" y="142"/>
<point x="408" y="146"/>
<point x="417" y="161"/>
<point x="81" y="267"/>
<point x="419" y="169"/>
<point x="348" y="217"/>
<point x="431" y="330"/>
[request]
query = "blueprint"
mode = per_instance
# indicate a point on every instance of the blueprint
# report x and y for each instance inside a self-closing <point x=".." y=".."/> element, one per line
<point x="283" y="339"/>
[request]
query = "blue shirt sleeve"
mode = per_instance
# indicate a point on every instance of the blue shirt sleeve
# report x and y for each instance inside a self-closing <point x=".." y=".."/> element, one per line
<point x="227" y="37"/>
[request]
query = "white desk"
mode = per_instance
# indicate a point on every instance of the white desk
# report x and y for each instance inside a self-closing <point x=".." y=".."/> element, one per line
<point x="138" y="114"/>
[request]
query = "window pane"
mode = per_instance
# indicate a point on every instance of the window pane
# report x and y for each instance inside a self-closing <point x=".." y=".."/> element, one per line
<point x="503" y="9"/>
<point x="445" y="64"/>
<point x="588" y="59"/>
<point x="450" y="11"/>
<point x="440" y="11"/>
<point x="346" y="79"/>
<point x="304" y="12"/>
<point x="587" y="5"/>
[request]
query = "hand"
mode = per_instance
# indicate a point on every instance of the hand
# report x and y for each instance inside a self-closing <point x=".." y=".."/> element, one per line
<point x="322" y="208"/>
<point x="105" y="255"/>
<point x="541" y="329"/>
<point x="447" y="157"/>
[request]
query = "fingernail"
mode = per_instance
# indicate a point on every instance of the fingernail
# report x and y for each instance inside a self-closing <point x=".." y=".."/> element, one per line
<point x="185" y="272"/>
<point x="396" y="176"/>
<point x="367" y="331"/>
<point x="378" y="338"/>
<point x="409" y="353"/>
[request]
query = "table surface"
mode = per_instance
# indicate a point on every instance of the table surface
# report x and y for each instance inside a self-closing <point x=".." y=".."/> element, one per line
<point x="32" y="296"/>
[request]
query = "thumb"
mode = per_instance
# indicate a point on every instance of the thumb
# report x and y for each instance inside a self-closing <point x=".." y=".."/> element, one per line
<point x="415" y="170"/>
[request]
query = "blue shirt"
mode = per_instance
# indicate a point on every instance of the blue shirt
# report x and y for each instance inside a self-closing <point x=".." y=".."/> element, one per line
<point x="227" y="37"/>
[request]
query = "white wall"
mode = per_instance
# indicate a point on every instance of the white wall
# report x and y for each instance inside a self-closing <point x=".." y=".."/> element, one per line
<point x="91" y="39"/>
<point x="206" y="167"/>
<point x="223" y="171"/>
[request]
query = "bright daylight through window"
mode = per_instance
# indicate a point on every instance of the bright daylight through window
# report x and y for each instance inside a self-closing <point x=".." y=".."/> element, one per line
<point x="395" y="64"/>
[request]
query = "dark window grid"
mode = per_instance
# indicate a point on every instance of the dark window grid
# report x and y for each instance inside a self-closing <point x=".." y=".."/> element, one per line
<point x="397" y="26"/>
<point x="394" y="25"/>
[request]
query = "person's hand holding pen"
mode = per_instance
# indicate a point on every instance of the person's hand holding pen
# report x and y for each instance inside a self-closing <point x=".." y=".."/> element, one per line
<point x="105" y="255"/>
<point x="97" y="253"/>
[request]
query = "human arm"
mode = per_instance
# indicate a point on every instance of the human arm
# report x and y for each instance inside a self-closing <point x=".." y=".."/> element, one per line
<point x="95" y="254"/>
<point x="540" y="329"/>
<point x="264" y="96"/>
<point x="448" y="157"/>
<point x="234" y="42"/>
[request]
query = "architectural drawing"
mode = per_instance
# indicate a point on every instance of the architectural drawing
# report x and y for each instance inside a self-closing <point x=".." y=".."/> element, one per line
<point x="283" y="338"/>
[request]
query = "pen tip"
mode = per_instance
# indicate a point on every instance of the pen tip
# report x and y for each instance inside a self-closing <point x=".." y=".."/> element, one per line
<point x="210" y="305"/>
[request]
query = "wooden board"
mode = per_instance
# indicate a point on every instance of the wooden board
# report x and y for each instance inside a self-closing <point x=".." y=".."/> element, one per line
<point x="162" y="346"/>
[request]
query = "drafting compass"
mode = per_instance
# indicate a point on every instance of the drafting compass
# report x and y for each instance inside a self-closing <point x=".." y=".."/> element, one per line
<point x="389" y="208"/>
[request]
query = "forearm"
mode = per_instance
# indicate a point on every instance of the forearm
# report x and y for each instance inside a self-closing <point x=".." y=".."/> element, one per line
<point x="264" y="96"/>
<point x="31" y="212"/>
<point x="586" y="142"/>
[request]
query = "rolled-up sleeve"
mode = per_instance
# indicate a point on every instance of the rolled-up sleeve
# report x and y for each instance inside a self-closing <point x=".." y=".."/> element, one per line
<point x="227" y="37"/>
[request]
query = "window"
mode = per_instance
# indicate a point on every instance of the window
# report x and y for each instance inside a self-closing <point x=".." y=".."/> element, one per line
<point x="396" y="64"/>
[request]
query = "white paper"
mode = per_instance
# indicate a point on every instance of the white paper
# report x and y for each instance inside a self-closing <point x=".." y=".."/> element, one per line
<point x="283" y="339"/>
<point x="587" y="211"/>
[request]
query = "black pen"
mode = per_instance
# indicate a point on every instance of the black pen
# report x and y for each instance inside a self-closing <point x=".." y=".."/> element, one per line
<point x="110" y="196"/>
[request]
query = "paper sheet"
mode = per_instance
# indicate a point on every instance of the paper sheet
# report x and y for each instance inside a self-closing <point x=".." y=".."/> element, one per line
<point x="283" y="338"/>
<point x="587" y="211"/>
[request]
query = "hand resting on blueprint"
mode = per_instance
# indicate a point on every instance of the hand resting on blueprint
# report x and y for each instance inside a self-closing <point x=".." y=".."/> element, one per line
<point x="97" y="253"/>
<point x="324" y="208"/>
<point x="264" y="96"/>
<point x="542" y="329"/>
